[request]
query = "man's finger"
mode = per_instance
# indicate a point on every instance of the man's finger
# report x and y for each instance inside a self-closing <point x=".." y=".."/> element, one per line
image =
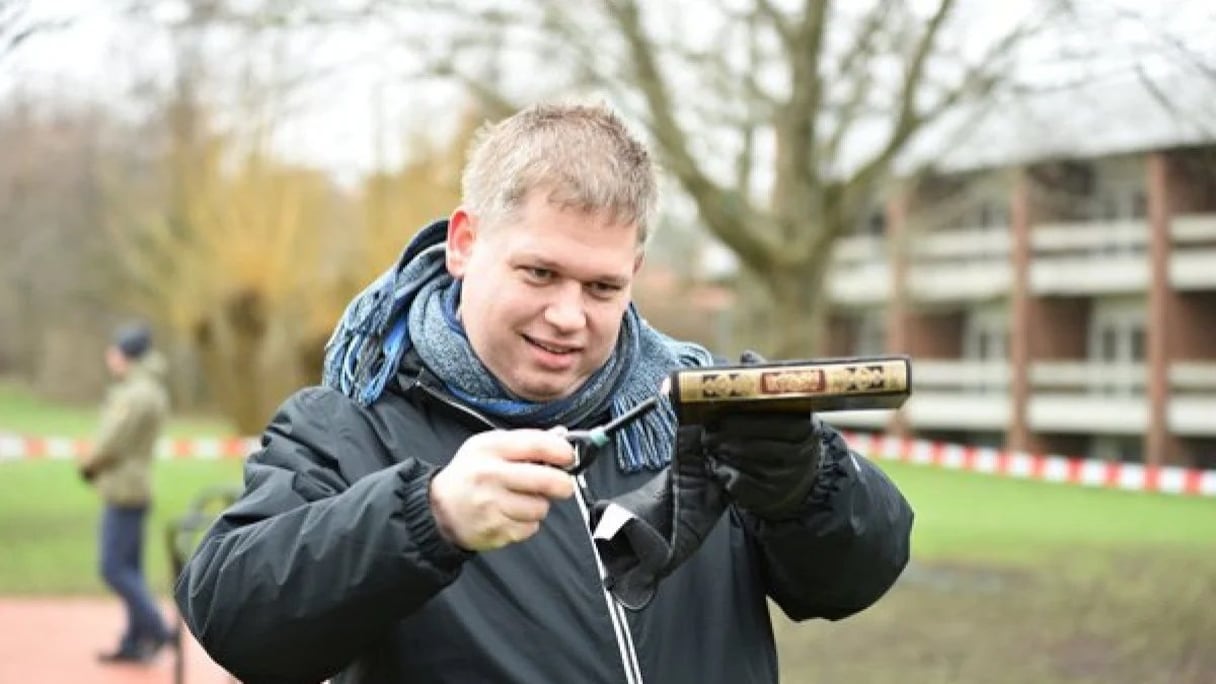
<point x="534" y="446"/>
<point x="536" y="479"/>
<point x="524" y="508"/>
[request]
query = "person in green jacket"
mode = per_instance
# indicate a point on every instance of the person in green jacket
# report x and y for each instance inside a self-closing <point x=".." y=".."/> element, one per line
<point x="119" y="466"/>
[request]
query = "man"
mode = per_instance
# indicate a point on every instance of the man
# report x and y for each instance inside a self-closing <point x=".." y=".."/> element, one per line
<point x="120" y="467"/>
<point x="412" y="521"/>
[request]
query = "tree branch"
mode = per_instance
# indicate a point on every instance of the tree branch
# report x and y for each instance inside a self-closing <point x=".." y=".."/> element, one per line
<point x="856" y="62"/>
<point x="981" y="80"/>
<point x="15" y="31"/>
<point x="908" y="119"/>
<point x="795" y="194"/>
<point x="727" y="214"/>
<point x="780" y="24"/>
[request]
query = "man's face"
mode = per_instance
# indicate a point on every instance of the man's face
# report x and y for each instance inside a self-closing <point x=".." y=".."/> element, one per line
<point x="543" y="293"/>
<point x="116" y="362"/>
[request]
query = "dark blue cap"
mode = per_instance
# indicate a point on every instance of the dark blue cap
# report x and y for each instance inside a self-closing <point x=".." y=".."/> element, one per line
<point x="133" y="340"/>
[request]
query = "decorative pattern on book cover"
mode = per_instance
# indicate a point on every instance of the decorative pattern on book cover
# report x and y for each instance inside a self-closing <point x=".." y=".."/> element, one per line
<point x="857" y="383"/>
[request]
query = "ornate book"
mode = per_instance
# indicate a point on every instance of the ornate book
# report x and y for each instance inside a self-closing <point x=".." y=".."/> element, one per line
<point x="830" y="384"/>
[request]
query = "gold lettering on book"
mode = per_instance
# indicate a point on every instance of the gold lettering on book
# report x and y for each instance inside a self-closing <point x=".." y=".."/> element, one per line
<point x="792" y="382"/>
<point x="728" y="385"/>
<point x="864" y="378"/>
<point x="852" y="378"/>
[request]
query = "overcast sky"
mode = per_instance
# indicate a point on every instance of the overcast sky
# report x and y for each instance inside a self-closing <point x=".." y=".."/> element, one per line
<point x="333" y="122"/>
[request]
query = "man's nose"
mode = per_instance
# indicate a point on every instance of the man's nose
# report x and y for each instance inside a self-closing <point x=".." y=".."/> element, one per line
<point x="565" y="310"/>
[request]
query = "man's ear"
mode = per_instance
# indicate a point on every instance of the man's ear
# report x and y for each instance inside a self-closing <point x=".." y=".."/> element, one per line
<point x="462" y="234"/>
<point x="638" y="261"/>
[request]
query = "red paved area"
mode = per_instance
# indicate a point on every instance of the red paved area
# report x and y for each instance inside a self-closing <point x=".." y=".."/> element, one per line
<point x="56" y="641"/>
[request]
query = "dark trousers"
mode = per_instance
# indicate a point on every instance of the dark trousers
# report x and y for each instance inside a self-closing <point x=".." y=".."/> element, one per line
<point x="122" y="543"/>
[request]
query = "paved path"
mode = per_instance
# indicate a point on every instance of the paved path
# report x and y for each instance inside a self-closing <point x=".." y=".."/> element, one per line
<point x="56" y="641"/>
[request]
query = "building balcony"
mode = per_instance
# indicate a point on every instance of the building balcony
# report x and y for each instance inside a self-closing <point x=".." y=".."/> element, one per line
<point x="1192" y="407"/>
<point x="1070" y="397"/>
<point x="1090" y="258"/>
<point x="1079" y="259"/>
<point x="1193" y="261"/>
<point x="861" y="271"/>
<point x="946" y="395"/>
<point x="1083" y="397"/>
<point x="1087" y="413"/>
<point x="960" y="265"/>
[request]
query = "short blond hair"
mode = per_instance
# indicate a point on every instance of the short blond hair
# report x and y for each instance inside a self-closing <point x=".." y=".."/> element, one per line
<point x="583" y="155"/>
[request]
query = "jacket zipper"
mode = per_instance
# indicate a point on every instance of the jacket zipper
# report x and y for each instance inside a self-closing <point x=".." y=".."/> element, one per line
<point x="620" y="624"/>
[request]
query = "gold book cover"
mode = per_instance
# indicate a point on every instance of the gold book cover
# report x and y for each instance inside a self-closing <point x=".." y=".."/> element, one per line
<point x="830" y="384"/>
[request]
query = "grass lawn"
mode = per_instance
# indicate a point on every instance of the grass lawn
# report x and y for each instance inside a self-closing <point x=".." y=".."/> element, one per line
<point x="1015" y="582"/>
<point x="49" y="518"/>
<point x="22" y="413"/>
<point x="981" y="518"/>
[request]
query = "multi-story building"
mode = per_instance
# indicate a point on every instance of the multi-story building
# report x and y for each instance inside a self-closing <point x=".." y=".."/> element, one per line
<point x="1061" y="301"/>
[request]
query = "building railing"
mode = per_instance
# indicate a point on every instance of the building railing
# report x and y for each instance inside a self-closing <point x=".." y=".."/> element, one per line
<point x="969" y="263"/>
<point x="1091" y="377"/>
<point x="1193" y="261"/>
<point x="1094" y="238"/>
<point x="961" y="244"/>
<point x="855" y="249"/>
<point x="1069" y="258"/>
<point x="860" y="271"/>
<point x="1193" y="228"/>
<point x="967" y="375"/>
<point x="1083" y="376"/>
<point x="1193" y="376"/>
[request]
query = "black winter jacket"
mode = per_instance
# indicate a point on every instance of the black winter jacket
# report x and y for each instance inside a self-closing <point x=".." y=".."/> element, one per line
<point x="330" y="565"/>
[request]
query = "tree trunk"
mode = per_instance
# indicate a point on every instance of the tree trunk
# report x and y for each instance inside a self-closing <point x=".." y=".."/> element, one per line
<point x="230" y="343"/>
<point x="799" y="310"/>
<point x="310" y="359"/>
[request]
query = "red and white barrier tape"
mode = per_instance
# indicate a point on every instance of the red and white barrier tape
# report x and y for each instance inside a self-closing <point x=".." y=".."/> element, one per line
<point x="20" y="448"/>
<point x="1050" y="468"/>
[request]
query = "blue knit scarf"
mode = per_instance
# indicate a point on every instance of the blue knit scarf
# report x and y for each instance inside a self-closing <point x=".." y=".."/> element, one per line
<point x="414" y="305"/>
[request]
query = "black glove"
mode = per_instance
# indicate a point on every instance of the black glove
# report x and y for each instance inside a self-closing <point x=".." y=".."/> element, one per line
<point x="669" y="518"/>
<point x="767" y="462"/>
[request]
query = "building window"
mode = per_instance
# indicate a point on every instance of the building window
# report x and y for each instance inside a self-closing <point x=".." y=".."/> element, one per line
<point x="1109" y="351"/>
<point x="871" y="334"/>
<point x="985" y="335"/>
<point x="985" y="340"/>
<point x="1138" y="345"/>
<point x="1117" y="346"/>
<point x="1139" y="204"/>
<point x="1116" y="448"/>
<point x="876" y="223"/>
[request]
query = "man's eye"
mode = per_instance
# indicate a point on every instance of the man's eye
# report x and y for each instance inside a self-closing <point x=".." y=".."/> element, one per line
<point x="539" y="274"/>
<point x="604" y="289"/>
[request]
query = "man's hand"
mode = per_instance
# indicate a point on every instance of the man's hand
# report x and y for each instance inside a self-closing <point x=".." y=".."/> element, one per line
<point x="499" y="486"/>
<point x="87" y="473"/>
<point x="767" y="462"/>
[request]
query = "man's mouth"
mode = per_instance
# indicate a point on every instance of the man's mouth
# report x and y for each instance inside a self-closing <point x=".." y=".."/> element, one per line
<point x="551" y="347"/>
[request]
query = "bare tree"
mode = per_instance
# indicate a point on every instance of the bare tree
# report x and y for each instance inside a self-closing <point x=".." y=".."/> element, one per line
<point x="779" y="121"/>
<point x="248" y="258"/>
<point x="17" y="27"/>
